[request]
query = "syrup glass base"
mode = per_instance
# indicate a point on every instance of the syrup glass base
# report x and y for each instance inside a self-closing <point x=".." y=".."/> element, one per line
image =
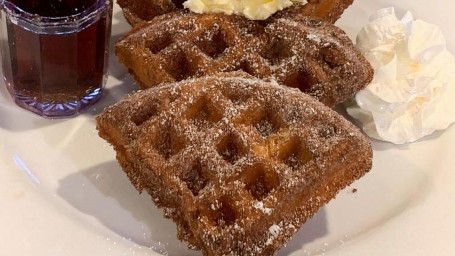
<point x="56" y="109"/>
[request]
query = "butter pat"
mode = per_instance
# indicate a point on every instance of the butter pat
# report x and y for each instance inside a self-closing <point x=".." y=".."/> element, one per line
<point x="412" y="93"/>
<point x="252" y="9"/>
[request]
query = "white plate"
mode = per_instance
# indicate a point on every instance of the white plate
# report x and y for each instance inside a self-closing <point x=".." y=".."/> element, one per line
<point x="63" y="193"/>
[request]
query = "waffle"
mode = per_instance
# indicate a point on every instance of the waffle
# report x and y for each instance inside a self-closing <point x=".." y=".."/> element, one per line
<point x="238" y="163"/>
<point x="306" y="53"/>
<point x="139" y="11"/>
<point x="328" y="10"/>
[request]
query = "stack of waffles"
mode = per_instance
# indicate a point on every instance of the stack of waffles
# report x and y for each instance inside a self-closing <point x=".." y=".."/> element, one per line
<point x="232" y="134"/>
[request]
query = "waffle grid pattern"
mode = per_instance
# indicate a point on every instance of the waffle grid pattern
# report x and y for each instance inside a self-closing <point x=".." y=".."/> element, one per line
<point x="227" y="158"/>
<point x="304" y="53"/>
<point x="139" y="11"/>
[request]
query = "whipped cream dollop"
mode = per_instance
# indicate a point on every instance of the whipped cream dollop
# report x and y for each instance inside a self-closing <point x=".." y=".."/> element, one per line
<point x="413" y="90"/>
<point x="252" y="9"/>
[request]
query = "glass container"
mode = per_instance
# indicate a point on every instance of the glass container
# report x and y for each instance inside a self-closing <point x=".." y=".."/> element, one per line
<point x="55" y="53"/>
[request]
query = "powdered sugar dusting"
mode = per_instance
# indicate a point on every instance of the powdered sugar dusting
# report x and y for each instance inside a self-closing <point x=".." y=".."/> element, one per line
<point x="305" y="53"/>
<point x="260" y="206"/>
<point x="231" y="183"/>
<point x="274" y="232"/>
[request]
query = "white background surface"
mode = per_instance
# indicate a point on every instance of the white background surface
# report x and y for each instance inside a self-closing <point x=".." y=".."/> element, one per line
<point x="83" y="204"/>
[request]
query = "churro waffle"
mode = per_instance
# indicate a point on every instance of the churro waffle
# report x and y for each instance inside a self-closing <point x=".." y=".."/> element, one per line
<point x="238" y="163"/>
<point x="328" y="10"/>
<point x="138" y="11"/>
<point x="306" y="53"/>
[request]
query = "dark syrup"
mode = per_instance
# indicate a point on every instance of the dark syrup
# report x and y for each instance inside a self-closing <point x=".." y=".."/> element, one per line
<point x="55" y="68"/>
<point x="53" y="8"/>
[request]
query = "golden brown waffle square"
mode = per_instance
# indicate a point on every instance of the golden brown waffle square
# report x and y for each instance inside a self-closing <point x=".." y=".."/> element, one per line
<point x="239" y="164"/>
<point x="139" y="11"/>
<point x="306" y="53"/>
<point x="328" y="10"/>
